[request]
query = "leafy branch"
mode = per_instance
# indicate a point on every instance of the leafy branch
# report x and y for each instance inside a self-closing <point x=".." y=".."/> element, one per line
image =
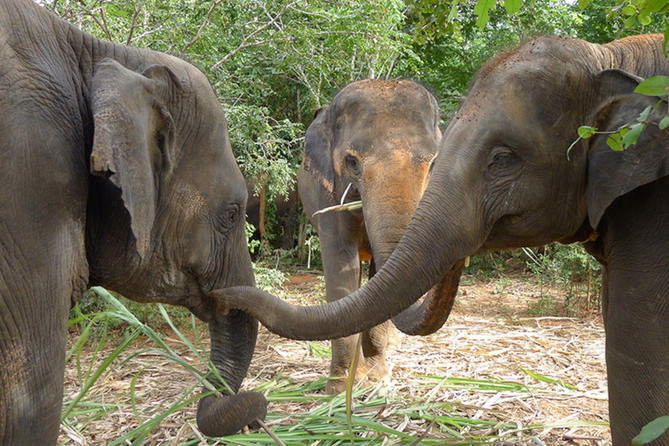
<point x="133" y="25"/>
<point x="246" y="41"/>
<point x="628" y="134"/>
<point x="202" y="27"/>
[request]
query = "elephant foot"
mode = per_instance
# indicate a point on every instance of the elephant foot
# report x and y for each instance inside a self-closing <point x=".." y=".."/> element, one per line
<point x="374" y="370"/>
<point x="378" y="370"/>
<point x="338" y="383"/>
<point x="335" y="385"/>
<point x="218" y="416"/>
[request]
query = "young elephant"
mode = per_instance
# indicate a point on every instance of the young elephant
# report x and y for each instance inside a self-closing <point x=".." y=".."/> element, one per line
<point x="377" y="139"/>
<point x="116" y="170"/>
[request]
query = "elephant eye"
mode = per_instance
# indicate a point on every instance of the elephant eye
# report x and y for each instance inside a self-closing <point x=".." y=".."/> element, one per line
<point x="352" y="164"/>
<point x="231" y="213"/>
<point x="226" y="218"/>
<point x="502" y="159"/>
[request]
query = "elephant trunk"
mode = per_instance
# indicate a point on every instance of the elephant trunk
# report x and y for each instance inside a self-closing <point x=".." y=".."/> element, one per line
<point x="232" y="344"/>
<point x="428" y="316"/>
<point x="233" y="340"/>
<point x="433" y="243"/>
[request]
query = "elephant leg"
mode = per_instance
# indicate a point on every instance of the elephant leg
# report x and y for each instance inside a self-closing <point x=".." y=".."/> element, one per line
<point x="31" y="375"/>
<point x="33" y="334"/>
<point x="605" y="294"/>
<point x="374" y="344"/>
<point x="42" y="270"/>
<point x="637" y="356"/>
<point x="233" y="339"/>
<point x="637" y="310"/>
<point x="341" y="266"/>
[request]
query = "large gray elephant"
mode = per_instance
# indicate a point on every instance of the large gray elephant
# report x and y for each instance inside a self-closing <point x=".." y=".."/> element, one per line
<point x="116" y="170"/>
<point x="503" y="179"/>
<point x="374" y="143"/>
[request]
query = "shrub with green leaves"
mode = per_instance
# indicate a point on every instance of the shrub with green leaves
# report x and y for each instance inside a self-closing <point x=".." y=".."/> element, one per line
<point x="571" y="267"/>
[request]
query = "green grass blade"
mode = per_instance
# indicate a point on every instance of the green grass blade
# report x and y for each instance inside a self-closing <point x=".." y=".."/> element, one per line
<point x="548" y="380"/>
<point x="100" y="370"/>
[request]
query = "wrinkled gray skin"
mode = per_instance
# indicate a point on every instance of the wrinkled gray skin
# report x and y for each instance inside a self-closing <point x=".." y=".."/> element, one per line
<point x="502" y="179"/>
<point x="379" y="137"/>
<point x="115" y="170"/>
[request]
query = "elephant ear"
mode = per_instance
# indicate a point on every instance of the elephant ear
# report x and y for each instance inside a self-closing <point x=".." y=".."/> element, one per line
<point x="436" y="116"/>
<point x="612" y="174"/>
<point x="614" y="82"/>
<point x="318" y="149"/>
<point x="133" y="141"/>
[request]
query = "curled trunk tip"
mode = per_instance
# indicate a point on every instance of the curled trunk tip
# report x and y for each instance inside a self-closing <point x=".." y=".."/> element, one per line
<point x="219" y="416"/>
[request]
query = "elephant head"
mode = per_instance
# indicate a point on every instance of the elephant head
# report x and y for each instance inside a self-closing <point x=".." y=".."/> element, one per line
<point x="165" y="220"/>
<point x="379" y="137"/>
<point x="503" y="179"/>
<point x="376" y="136"/>
<point x="376" y="143"/>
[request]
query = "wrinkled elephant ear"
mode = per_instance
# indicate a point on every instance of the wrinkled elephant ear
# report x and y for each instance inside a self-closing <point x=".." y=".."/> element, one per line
<point x="318" y="149"/>
<point x="134" y="134"/>
<point x="612" y="174"/>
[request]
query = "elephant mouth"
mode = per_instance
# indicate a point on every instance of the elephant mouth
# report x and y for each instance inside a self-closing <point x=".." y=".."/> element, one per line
<point x="430" y="312"/>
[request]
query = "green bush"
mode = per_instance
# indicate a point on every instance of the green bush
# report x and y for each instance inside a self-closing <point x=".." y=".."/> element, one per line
<point x="486" y="265"/>
<point x="573" y="269"/>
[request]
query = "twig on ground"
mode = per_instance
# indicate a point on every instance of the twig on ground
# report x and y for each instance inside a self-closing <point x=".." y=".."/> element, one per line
<point x="424" y="434"/>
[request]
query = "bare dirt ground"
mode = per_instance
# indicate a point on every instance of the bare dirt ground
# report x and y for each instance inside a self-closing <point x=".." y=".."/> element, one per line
<point x="493" y="334"/>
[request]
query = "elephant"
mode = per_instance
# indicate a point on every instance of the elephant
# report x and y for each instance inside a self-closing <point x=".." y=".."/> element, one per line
<point x="116" y="170"/>
<point x="374" y="143"/>
<point x="502" y="179"/>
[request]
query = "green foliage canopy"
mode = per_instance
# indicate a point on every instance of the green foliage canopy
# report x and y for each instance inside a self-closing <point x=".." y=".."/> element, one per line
<point x="272" y="63"/>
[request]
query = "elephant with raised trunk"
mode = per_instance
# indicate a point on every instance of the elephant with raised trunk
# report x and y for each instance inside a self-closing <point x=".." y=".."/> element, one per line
<point x="116" y="170"/>
<point x="503" y="179"/>
<point x="374" y="143"/>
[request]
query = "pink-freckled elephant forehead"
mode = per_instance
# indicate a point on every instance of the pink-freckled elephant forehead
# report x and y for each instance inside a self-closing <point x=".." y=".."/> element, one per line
<point x="399" y="179"/>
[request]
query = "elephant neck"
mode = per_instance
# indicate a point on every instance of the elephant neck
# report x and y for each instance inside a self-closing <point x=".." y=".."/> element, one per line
<point x="640" y="55"/>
